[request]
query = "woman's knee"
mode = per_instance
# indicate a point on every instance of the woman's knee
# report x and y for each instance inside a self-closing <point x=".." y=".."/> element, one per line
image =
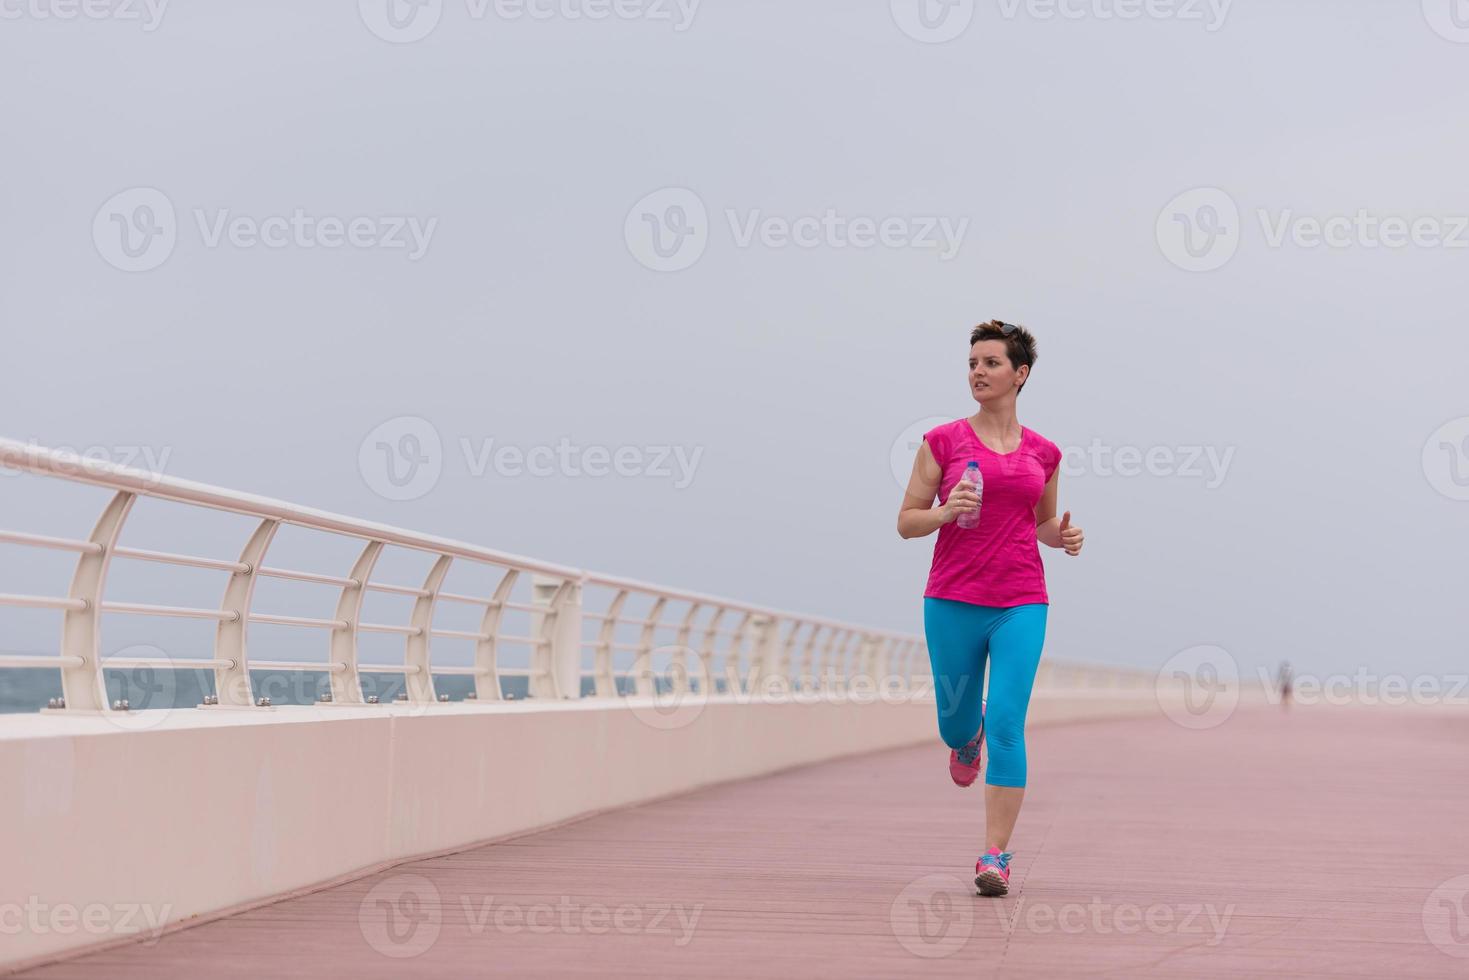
<point x="1003" y="729"/>
<point x="955" y="730"/>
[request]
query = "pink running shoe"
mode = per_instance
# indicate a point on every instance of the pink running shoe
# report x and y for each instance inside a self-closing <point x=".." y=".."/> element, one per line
<point x="964" y="763"/>
<point x="992" y="872"/>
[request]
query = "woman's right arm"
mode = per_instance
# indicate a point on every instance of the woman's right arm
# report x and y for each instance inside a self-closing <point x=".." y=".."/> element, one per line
<point x="918" y="517"/>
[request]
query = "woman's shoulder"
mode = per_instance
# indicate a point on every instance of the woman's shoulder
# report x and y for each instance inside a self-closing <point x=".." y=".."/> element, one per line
<point x="1040" y="440"/>
<point x="1049" y="452"/>
<point x="948" y="430"/>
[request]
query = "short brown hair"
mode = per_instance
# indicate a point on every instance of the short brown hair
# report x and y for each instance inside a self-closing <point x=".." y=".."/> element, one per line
<point x="1019" y="343"/>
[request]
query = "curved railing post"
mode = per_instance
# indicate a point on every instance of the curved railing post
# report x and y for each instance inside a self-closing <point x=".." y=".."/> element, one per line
<point x="682" y="679"/>
<point x="346" y="682"/>
<point x="808" y="657"/>
<point x="871" y="662"/>
<point x="556" y="670"/>
<point x="743" y="636"/>
<point x="706" y="650"/>
<point x="824" y="671"/>
<point x="419" y="676"/>
<point x="603" y="677"/>
<point x="232" y="682"/>
<point x="765" y="655"/>
<point x="82" y="685"/>
<point x="486" y="649"/>
<point x="787" y="657"/>
<point x="642" y="672"/>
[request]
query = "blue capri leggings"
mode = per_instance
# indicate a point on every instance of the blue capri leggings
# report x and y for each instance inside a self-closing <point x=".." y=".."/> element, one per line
<point x="961" y="637"/>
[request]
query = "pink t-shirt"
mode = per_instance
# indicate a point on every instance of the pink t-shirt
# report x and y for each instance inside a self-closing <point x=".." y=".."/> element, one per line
<point x="997" y="563"/>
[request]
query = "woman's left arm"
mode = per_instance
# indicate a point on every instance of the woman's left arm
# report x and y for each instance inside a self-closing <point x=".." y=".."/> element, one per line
<point x="1051" y="531"/>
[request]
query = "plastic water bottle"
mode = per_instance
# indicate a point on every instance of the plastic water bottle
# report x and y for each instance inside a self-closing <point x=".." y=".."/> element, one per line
<point x="970" y="518"/>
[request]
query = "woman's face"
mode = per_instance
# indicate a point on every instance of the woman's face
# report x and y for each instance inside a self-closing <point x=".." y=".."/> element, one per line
<point x="990" y="373"/>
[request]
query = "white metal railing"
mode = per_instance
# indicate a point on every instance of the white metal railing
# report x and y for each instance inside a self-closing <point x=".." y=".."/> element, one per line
<point x="758" y="644"/>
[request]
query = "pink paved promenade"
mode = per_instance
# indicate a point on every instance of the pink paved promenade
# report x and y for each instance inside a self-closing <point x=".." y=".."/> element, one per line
<point x="1299" y="844"/>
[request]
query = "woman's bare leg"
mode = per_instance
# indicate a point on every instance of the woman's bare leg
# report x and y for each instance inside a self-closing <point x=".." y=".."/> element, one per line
<point x="1001" y="808"/>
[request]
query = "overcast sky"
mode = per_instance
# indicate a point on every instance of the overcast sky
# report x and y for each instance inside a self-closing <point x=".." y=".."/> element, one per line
<point x="283" y="247"/>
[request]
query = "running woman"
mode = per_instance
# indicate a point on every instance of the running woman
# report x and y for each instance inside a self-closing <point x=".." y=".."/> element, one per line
<point x="986" y="598"/>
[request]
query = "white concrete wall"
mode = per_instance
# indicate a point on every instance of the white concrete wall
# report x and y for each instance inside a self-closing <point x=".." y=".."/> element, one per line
<point x="211" y="809"/>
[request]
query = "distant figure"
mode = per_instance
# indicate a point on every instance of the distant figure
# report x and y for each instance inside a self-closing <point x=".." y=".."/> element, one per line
<point x="1283" y="681"/>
